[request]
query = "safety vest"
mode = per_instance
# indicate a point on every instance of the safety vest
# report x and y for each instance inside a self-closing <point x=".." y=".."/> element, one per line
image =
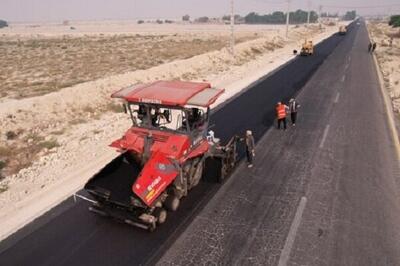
<point x="280" y="111"/>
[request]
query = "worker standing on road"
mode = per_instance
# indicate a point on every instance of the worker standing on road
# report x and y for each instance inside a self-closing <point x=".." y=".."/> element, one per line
<point x="281" y="110"/>
<point x="250" y="153"/>
<point x="293" y="107"/>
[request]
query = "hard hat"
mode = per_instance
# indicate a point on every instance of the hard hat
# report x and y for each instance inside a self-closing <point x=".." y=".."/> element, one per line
<point x="291" y="100"/>
<point x="248" y="132"/>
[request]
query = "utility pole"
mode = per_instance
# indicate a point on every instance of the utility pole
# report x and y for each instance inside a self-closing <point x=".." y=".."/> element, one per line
<point x="232" y="28"/>
<point x="308" y="14"/>
<point x="287" y="18"/>
<point x="319" y="16"/>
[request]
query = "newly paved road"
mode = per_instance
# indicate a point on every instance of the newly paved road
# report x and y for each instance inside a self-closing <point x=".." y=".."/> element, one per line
<point x="348" y="179"/>
<point x="325" y="192"/>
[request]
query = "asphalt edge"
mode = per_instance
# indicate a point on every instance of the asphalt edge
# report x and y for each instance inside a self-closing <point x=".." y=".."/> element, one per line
<point x="388" y="103"/>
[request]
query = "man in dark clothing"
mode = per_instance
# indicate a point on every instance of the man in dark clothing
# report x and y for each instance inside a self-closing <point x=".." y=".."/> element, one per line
<point x="373" y="47"/>
<point x="369" y="47"/>
<point x="148" y="143"/>
<point x="250" y="153"/>
<point x="293" y="108"/>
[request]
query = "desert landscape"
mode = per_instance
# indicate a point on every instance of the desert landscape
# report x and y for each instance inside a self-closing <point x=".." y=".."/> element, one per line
<point x="221" y="133"/>
<point x="388" y="55"/>
<point x="55" y="109"/>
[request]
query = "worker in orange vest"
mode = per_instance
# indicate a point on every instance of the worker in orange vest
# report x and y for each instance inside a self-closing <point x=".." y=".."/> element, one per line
<point x="281" y="110"/>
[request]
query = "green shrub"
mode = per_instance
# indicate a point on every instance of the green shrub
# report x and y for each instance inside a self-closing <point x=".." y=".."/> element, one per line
<point x="394" y="21"/>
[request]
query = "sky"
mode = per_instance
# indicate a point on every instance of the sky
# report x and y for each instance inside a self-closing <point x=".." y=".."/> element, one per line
<point x="58" y="10"/>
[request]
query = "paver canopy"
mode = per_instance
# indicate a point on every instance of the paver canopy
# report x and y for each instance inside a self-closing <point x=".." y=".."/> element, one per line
<point x="171" y="93"/>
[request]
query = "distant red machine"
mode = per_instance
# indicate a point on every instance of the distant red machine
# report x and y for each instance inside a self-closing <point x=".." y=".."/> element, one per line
<point x="163" y="154"/>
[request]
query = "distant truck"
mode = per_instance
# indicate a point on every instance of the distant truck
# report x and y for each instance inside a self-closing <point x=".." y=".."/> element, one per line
<point x="342" y="30"/>
<point x="307" y="48"/>
<point x="3" y="24"/>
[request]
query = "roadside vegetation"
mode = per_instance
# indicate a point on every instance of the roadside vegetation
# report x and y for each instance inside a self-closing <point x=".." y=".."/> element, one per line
<point x="350" y="15"/>
<point x="279" y="17"/>
<point x="394" y="21"/>
<point x="297" y="17"/>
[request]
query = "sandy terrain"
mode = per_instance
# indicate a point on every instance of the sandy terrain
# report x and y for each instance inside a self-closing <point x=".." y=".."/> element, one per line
<point x="388" y="56"/>
<point x="62" y="136"/>
<point x="37" y="64"/>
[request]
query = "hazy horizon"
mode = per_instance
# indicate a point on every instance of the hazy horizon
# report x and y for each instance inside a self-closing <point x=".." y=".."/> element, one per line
<point x="52" y="10"/>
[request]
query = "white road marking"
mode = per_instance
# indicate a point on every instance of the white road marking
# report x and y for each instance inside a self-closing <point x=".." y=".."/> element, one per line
<point x="349" y="58"/>
<point x="343" y="78"/>
<point x="337" y="97"/>
<point x="285" y="255"/>
<point x="321" y="145"/>
<point x="346" y="66"/>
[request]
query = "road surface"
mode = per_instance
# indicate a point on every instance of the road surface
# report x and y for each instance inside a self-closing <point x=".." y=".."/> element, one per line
<point x="346" y="172"/>
<point x="325" y="192"/>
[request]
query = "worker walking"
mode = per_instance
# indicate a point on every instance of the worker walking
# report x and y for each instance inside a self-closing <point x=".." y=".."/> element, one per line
<point x="369" y="47"/>
<point x="293" y="108"/>
<point x="373" y="47"/>
<point x="250" y="152"/>
<point x="281" y="110"/>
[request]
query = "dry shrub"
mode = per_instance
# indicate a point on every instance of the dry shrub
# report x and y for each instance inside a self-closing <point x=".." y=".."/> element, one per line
<point x="49" y="144"/>
<point x="2" y="164"/>
<point x="58" y="132"/>
<point x="256" y="50"/>
<point x="114" y="107"/>
<point x="3" y="188"/>
<point x="77" y="121"/>
<point x="5" y="152"/>
<point x="10" y="135"/>
<point x="394" y="35"/>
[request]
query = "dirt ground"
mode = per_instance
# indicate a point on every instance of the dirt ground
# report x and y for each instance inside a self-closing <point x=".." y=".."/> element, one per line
<point x="41" y="65"/>
<point x="388" y="55"/>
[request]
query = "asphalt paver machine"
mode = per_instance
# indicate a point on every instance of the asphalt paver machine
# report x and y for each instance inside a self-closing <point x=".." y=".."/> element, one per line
<point x="163" y="155"/>
<point x="307" y="48"/>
